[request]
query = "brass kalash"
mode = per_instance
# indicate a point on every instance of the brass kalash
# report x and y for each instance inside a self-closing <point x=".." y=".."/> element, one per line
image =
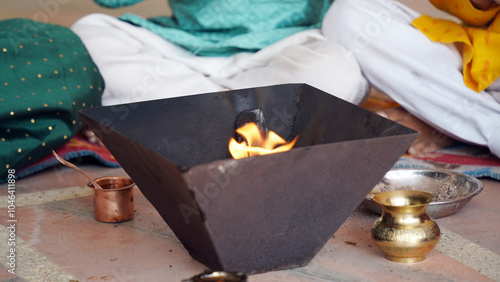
<point x="405" y="232"/>
<point x="258" y="213"/>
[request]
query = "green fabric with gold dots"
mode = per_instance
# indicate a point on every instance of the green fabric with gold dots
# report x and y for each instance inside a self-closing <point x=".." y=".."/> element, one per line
<point x="46" y="76"/>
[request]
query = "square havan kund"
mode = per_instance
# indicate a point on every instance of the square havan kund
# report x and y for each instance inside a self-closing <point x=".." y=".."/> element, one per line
<point x="259" y="213"/>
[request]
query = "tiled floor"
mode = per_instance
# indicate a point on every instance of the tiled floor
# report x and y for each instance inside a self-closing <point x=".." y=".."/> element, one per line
<point x="58" y="239"/>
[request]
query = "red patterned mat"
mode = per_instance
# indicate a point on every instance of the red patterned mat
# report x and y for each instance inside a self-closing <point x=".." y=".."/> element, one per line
<point x="78" y="148"/>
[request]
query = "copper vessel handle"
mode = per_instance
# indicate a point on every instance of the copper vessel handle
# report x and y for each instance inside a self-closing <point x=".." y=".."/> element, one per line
<point x="68" y="164"/>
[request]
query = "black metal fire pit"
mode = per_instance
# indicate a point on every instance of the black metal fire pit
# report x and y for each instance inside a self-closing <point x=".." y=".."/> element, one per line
<point x="261" y="213"/>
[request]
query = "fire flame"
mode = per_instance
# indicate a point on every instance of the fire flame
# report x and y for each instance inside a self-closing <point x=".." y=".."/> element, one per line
<point x="256" y="144"/>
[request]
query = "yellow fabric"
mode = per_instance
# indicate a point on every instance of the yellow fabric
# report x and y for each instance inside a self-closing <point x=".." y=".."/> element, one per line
<point x="481" y="43"/>
<point x="464" y="10"/>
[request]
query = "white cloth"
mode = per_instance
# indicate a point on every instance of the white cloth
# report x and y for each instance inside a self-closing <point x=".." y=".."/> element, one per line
<point x="424" y="77"/>
<point x="138" y="65"/>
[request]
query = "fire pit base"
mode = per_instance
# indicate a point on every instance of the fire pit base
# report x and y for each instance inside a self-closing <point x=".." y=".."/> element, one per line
<point x="261" y="213"/>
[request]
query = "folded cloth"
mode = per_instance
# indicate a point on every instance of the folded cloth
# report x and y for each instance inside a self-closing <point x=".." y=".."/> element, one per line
<point x="140" y="65"/>
<point x="46" y="77"/>
<point x="223" y="28"/>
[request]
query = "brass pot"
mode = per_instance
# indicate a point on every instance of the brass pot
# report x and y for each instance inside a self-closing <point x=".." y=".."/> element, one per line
<point x="115" y="201"/>
<point x="218" y="276"/>
<point x="405" y="232"/>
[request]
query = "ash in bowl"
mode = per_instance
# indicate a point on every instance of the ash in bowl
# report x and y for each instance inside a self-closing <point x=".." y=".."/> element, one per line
<point x="447" y="190"/>
<point x="451" y="190"/>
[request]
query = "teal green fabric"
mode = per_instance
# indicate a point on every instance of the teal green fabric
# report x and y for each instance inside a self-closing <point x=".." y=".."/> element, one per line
<point x="46" y="76"/>
<point x="226" y="27"/>
<point x="117" y="3"/>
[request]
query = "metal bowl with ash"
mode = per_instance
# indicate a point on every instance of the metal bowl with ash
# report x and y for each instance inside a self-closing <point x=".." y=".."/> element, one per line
<point x="452" y="190"/>
<point x="258" y="213"/>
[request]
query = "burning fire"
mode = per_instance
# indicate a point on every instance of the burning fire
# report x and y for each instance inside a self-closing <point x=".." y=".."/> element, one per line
<point x="256" y="144"/>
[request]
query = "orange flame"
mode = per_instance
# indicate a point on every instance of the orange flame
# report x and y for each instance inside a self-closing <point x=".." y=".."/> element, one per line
<point x="255" y="144"/>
